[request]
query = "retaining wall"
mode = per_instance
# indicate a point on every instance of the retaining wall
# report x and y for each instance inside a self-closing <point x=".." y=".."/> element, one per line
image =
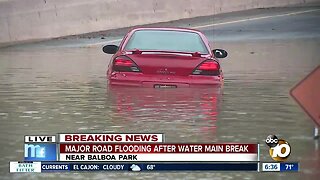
<point x="28" y="20"/>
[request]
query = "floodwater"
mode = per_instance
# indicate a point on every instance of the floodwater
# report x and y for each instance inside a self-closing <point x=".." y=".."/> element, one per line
<point x="55" y="90"/>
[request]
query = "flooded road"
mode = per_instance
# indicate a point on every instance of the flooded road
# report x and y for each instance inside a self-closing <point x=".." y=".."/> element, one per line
<point x="53" y="90"/>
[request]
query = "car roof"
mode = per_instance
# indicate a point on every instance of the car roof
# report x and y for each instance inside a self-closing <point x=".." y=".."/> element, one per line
<point x="166" y="29"/>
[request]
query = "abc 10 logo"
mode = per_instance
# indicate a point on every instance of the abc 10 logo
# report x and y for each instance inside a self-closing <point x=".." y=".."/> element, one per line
<point x="279" y="149"/>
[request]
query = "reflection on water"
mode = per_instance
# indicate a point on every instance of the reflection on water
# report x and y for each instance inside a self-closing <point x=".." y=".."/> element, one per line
<point x="193" y="110"/>
<point x="48" y="91"/>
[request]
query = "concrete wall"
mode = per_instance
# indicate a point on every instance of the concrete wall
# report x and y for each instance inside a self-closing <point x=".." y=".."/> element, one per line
<point x="25" y="20"/>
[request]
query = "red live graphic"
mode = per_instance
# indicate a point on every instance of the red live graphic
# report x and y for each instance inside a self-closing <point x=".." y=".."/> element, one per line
<point x="158" y="148"/>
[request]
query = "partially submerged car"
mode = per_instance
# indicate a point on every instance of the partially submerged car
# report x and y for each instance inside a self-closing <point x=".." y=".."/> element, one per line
<point x="164" y="58"/>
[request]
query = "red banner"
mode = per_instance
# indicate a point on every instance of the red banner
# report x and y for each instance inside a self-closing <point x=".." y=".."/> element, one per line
<point x="158" y="148"/>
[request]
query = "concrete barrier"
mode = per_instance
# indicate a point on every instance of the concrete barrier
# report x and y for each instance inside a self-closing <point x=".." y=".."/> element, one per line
<point x="30" y="20"/>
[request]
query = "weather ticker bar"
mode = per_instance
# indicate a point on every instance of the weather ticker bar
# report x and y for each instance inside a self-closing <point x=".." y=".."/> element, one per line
<point x="51" y="167"/>
<point x="135" y="167"/>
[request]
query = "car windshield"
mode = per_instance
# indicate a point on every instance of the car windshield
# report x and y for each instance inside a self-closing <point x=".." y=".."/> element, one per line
<point x="164" y="40"/>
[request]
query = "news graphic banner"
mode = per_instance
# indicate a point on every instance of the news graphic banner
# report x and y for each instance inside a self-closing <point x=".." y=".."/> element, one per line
<point x="111" y="138"/>
<point x="159" y="152"/>
<point x="134" y="152"/>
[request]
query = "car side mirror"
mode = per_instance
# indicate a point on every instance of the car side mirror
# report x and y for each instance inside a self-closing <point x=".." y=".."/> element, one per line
<point x="219" y="53"/>
<point x="110" y="49"/>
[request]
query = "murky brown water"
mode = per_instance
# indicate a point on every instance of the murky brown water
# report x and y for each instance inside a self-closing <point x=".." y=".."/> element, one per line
<point x="53" y="90"/>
